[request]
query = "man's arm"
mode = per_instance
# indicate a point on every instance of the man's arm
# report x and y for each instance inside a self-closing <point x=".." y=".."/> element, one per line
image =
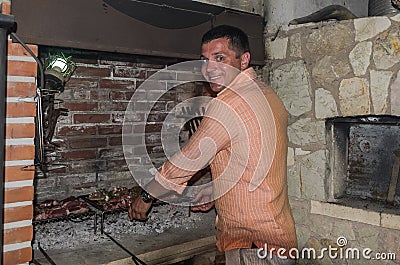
<point x="209" y="139"/>
<point x="138" y="208"/>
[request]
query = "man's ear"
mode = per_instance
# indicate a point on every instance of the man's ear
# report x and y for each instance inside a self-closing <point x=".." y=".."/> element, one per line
<point x="244" y="61"/>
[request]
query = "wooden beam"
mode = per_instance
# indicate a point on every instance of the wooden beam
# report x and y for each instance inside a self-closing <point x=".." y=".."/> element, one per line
<point x="174" y="253"/>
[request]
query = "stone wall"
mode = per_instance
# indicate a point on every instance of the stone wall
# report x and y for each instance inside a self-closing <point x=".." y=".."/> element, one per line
<point x="319" y="231"/>
<point x="325" y="70"/>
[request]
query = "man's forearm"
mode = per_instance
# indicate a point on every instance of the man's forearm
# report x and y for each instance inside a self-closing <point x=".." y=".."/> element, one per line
<point x="156" y="190"/>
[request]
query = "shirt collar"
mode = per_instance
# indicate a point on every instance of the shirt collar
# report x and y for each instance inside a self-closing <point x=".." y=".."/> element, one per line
<point x="245" y="75"/>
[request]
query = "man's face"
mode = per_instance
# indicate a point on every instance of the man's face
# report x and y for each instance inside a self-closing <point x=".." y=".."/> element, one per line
<point x="221" y="64"/>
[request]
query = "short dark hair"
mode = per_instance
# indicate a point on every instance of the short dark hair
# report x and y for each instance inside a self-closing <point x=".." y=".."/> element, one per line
<point x="238" y="40"/>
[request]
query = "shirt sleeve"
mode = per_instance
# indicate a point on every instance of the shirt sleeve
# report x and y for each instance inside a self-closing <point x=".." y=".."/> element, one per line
<point x="211" y="137"/>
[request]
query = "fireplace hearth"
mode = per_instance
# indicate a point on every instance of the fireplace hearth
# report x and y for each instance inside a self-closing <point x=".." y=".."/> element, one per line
<point x="170" y="235"/>
<point x="362" y="156"/>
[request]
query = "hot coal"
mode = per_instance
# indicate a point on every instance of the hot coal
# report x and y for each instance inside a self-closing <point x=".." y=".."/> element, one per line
<point x="67" y="234"/>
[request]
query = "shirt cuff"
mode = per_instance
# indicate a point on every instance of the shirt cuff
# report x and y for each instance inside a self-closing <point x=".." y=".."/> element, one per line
<point x="168" y="184"/>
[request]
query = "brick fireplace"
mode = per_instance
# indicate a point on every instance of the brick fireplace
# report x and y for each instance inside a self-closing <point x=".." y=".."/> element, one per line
<point x="86" y="152"/>
<point x="324" y="72"/>
<point x="20" y="152"/>
<point x="89" y="153"/>
<point x="88" y="149"/>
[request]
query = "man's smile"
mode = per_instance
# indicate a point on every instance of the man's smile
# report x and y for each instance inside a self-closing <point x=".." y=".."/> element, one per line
<point x="213" y="78"/>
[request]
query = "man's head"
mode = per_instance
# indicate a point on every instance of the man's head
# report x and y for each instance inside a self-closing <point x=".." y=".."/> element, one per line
<point x="225" y="51"/>
<point x="238" y="40"/>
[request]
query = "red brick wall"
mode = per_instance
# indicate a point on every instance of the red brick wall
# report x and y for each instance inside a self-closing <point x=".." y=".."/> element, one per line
<point x="20" y="152"/>
<point x="89" y="137"/>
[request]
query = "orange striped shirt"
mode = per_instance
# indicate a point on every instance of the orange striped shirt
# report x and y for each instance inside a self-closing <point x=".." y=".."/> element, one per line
<point x="244" y="138"/>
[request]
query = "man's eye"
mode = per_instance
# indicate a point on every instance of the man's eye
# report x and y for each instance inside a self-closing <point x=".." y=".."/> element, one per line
<point x="220" y="58"/>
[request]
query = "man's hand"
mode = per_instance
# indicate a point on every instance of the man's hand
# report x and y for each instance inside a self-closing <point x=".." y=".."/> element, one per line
<point x="138" y="209"/>
<point x="205" y="196"/>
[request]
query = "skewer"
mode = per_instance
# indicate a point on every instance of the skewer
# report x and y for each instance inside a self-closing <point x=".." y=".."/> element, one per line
<point x="46" y="255"/>
<point x="134" y="258"/>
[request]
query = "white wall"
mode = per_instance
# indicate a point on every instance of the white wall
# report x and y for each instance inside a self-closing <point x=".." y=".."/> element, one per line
<point x="278" y="12"/>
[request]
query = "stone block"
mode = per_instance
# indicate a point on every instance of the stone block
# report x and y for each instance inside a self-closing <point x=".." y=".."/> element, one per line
<point x="293" y="179"/>
<point x="369" y="27"/>
<point x="386" y="49"/>
<point x="316" y="245"/>
<point x="295" y="45"/>
<point x="324" y="227"/>
<point x="312" y="171"/>
<point x="290" y="157"/>
<point x="367" y="237"/>
<point x="306" y="131"/>
<point x="325" y="104"/>
<point x="396" y="18"/>
<point x="291" y="82"/>
<point x="354" y="97"/>
<point x="301" y="152"/>
<point x="303" y="234"/>
<point x="395" y="96"/>
<point x="276" y="49"/>
<point x="379" y="82"/>
<point x="330" y="39"/>
<point x="344" y="228"/>
<point x="346" y="213"/>
<point x="329" y="70"/>
<point x="390" y="221"/>
<point x="360" y="57"/>
<point x="300" y="210"/>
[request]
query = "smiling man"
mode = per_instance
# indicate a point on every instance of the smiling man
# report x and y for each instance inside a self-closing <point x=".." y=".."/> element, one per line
<point x="221" y="54"/>
<point x="243" y="137"/>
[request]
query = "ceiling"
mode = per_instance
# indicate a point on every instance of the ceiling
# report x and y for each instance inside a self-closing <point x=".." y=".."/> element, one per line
<point x="169" y="14"/>
<point x="169" y="28"/>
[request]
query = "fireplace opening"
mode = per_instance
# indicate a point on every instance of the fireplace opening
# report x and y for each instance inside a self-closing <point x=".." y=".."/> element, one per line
<point x="364" y="159"/>
<point x="84" y="196"/>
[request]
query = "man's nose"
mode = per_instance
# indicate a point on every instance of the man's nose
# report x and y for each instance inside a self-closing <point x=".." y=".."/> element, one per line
<point x="210" y="66"/>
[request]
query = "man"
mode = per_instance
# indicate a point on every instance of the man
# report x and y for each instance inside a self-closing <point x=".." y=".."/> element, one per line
<point x="244" y="138"/>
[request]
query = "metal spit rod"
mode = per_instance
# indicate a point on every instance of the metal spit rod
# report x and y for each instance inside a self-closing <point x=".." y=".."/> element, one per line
<point x="36" y="262"/>
<point x="134" y="258"/>
<point x="46" y="255"/>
